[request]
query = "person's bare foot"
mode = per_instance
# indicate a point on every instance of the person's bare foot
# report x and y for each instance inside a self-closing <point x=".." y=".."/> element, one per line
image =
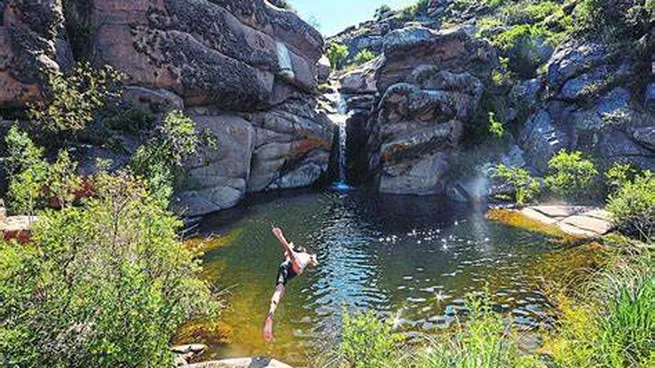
<point x="268" y="328"/>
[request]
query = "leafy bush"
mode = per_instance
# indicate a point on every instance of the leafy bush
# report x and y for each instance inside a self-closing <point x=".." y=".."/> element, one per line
<point x="525" y="46"/>
<point x="364" y="57"/>
<point x="368" y="342"/>
<point x="337" y="54"/>
<point x="73" y="100"/>
<point x="106" y="284"/>
<point x="382" y="11"/>
<point x="618" y="20"/>
<point x="570" y="176"/>
<point x="619" y="175"/>
<point x="161" y="159"/>
<point x="526" y="187"/>
<point x="632" y="206"/>
<point x="531" y="13"/>
<point x="34" y="183"/>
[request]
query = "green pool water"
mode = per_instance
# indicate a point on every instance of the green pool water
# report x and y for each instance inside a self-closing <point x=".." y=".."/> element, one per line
<point x="413" y="259"/>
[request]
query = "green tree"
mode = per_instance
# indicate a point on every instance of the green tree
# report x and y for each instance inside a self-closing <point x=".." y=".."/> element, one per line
<point x="337" y="54"/>
<point x="105" y="284"/>
<point x="570" y="176"/>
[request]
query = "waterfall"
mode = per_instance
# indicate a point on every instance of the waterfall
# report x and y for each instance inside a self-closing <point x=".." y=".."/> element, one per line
<point x="340" y="118"/>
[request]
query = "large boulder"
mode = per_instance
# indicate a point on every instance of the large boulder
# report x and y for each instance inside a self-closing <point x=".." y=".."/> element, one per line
<point x="292" y="148"/>
<point x="452" y="50"/>
<point x="286" y="147"/>
<point x="228" y="53"/>
<point x="32" y="41"/>
<point x="541" y="139"/>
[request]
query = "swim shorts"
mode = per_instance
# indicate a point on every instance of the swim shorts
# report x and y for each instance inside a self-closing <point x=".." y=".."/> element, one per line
<point x="285" y="273"/>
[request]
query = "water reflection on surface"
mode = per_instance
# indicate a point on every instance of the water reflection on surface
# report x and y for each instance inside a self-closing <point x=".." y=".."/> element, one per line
<point x="413" y="257"/>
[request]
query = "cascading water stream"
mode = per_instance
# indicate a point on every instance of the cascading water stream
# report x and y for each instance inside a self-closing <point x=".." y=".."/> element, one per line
<point x="340" y="118"/>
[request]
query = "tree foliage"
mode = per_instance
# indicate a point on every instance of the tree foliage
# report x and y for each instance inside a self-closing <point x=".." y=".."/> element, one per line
<point x="103" y="284"/>
<point x="161" y="159"/>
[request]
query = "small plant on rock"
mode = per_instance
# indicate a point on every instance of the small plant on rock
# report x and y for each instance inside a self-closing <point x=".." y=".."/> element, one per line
<point x="495" y="127"/>
<point x="570" y="176"/>
<point x="364" y="57"/>
<point x="337" y="54"/>
<point x="525" y="186"/>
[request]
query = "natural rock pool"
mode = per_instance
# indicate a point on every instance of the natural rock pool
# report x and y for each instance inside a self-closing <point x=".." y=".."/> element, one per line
<point x="411" y="258"/>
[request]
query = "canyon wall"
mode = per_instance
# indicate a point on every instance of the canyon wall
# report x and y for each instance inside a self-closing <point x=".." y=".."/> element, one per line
<point x="244" y="70"/>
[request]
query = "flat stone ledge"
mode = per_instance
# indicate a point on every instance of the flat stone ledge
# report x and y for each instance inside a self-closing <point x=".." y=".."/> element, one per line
<point x="241" y="363"/>
<point x="573" y="220"/>
<point x="14" y="224"/>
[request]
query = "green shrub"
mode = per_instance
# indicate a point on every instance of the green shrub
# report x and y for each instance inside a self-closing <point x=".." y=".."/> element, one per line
<point x="619" y="175"/>
<point x="160" y="160"/>
<point x="632" y="206"/>
<point x="525" y="186"/>
<point x="619" y="20"/>
<point x="368" y="342"/>
<point x="33" y="183"/>
<point x="531" y="13"/>
<point x="523" y="46"/>
<point x="570" y="176"/>
<point x="337" y="54"/>
<point x="364" y="57"/>
<point x="73" y="100"/>
<point x="382" y="11"/>
<point x="106" y="284"/>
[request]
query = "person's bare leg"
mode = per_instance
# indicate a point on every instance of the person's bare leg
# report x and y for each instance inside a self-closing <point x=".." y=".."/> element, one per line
<point x="275" y="301"/>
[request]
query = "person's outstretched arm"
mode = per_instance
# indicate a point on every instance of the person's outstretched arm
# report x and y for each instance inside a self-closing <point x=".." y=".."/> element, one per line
<point x="283" y="241"/>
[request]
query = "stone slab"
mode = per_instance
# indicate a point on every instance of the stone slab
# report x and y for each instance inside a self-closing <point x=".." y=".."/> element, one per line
<point x="584" y="222"/>
<point x="572" y="230"/>
<point x="14" y="224"/>
<point x="241" y="363"/>
<point x="561" y="211"/>
<point x="538" y="216"/>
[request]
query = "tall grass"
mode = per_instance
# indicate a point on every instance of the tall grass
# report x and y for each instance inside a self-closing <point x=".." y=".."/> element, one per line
<point x="607" y="323"/>
<point x="613" y="324"/>
<point x="484" y="342"/>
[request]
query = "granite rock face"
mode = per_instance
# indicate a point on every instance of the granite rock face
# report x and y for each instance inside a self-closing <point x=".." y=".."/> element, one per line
<point x="244" y="70"/>
<point x="32" y="40"/>
<point x="429" y="85"/>
<point x="589" y="107"/>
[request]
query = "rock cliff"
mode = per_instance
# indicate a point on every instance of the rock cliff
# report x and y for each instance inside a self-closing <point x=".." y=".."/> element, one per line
<point x="245" y="70"/>
<point x="420" y="111"/>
